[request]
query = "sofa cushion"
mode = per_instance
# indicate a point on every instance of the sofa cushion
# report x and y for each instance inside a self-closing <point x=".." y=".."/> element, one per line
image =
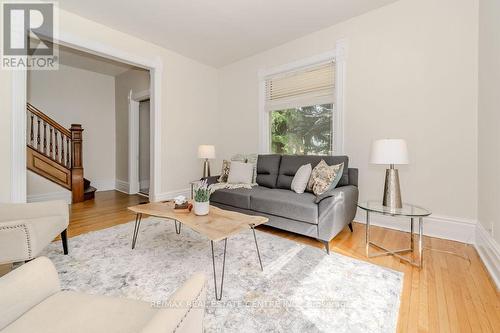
<point x="238" y="197"/>
<point x="286" y="203"/>
<point x="69" y="311"/>
<point x="291" y="163"/>
<point x="267" y="170"/>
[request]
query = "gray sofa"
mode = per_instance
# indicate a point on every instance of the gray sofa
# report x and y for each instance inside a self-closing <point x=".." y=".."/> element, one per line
<point x="287" y="210"/>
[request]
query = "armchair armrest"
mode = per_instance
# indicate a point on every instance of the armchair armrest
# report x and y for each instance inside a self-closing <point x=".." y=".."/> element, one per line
<point x="184" y="310"/>
<point x="25" y="287"/>
<point x="12" y="212"/>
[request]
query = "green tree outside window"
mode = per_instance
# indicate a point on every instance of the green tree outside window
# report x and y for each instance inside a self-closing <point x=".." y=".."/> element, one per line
<point x="302" y="131"/>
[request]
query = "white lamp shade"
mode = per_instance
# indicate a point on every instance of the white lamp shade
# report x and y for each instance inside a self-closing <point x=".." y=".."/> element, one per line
<point x="389" y="151"/>
<point x="206" y="151"/>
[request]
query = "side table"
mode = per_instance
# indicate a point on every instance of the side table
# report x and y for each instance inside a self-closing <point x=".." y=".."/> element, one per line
<point x="410" y="211"/>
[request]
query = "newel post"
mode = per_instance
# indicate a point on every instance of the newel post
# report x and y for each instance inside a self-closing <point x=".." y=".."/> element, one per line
<point x="77" y="187"/>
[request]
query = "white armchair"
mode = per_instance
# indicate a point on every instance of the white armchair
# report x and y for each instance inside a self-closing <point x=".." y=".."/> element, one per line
<point x="32" y="301"/>
<point x="26" y="229"/>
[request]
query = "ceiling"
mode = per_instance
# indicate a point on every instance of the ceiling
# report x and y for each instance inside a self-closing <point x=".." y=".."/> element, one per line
<point x="90" y="62"/>
<point x="219" y="32"/>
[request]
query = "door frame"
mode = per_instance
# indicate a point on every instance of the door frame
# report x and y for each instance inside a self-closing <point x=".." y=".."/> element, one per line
<point x="133" y="139"/>
<point x="19" y="99"/>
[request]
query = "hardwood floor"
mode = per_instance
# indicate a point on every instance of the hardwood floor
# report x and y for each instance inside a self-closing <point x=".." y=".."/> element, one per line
<point x="449" y="294"/>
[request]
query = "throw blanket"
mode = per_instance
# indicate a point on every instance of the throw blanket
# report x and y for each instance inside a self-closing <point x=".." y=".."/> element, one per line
<point x="218" y="186"/>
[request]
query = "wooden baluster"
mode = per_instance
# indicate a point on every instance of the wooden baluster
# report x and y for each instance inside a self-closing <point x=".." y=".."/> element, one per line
<point x="77" y="163"/>
<point x="45" y="138"/>
<point x="62" y="150"/>
<point x="67" y="155"/>
<point x="50" y="142"/>
<point x="32" y="138"/>
<point x="56" y="146"/>
<point x="38" y="135"/>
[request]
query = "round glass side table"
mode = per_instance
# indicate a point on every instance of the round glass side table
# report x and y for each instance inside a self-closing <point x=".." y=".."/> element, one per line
<point x="410" y="211"/>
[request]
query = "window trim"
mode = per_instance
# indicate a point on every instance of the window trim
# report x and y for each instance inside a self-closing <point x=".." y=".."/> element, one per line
<point x="339" y="56"/>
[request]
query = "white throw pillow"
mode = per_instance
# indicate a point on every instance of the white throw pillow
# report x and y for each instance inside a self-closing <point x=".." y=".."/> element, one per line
<point x="240" y="173"/>
<point x="301" y="178"/>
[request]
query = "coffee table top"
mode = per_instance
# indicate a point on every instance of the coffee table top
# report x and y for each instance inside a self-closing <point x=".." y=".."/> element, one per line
<point x="217" y="225"/>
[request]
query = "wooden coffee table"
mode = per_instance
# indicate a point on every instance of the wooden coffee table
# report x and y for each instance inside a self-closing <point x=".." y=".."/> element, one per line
<point x="218" y="225"/>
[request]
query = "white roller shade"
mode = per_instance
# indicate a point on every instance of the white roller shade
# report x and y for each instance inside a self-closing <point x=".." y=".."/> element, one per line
<point x="309" y="86"/>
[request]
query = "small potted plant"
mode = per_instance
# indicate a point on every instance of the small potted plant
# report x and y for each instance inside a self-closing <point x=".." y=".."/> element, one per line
<point x="202" y="194"/>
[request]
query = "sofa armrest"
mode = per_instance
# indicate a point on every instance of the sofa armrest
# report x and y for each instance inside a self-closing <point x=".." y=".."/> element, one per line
<point x="184" y="311"/>
<point x="353" y="176"/>
<point x="11" y="212"/>
<point x="25" y="287"/>
<point x="337" y="210"/>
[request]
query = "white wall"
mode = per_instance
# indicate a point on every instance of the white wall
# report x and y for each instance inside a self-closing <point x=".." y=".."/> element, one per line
<point x="76" y="96"/>
<point x="188" y="103"/>
<point x="489" y="117"/>
<point x="136" y="80"/>
<point x="411" y="73"/>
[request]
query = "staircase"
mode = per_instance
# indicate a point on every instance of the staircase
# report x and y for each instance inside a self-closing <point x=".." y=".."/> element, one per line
<point x="55" y="153"/>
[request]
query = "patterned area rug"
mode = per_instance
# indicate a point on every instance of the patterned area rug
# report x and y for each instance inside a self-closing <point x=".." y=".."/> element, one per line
<point x="302" y="289"/>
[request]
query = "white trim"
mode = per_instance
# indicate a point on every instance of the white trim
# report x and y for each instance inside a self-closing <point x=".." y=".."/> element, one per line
<point x="296" y="65"/>
<point x="18" y="137"/>
<point x="155" y="128"/>
<point x="339" y="55"/>
<point x="172" y="194"/>
<point x="141" y="95"/>
<point x="489" y="251"/>
<point x="452" y="228"/>
<point x="133" y="144"/>
<point x="264" y="121"/>
<point x="103" y="184"/>
<point x="134" y="100"/>
<point x="121" y="186"/>
<point x="155" y="66"/>
<point x="62" y="195"/>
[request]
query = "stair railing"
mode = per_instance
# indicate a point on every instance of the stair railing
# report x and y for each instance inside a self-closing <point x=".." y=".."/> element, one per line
<point x="59" y="144"/>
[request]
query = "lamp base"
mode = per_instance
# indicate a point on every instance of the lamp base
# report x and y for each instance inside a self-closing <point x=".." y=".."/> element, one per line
<point x="206" y="168"/>
<point x="392" y="190"/>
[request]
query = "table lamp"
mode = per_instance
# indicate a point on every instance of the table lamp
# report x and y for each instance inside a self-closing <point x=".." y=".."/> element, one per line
<point x="390" y="151"/>
<point x="206" y="152"/>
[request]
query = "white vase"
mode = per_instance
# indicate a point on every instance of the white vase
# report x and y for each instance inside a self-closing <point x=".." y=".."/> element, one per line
<point x="201" y="208"/>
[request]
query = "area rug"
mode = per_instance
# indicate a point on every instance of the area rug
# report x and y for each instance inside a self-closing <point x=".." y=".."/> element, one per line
<point x="302" y="289"/>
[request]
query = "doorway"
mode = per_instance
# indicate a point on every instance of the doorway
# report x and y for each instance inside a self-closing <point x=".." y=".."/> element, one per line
<point x="144" y="146"/>
<point x="19" y="120"/>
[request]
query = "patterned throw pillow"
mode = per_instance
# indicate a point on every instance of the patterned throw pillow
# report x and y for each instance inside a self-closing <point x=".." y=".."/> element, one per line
<point x="226" y="165"/>
<point x="323" y="176"/>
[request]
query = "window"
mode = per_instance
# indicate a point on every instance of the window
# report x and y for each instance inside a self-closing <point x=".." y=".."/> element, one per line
<point x="304" y="130"/>
<point x="300" y="109"/>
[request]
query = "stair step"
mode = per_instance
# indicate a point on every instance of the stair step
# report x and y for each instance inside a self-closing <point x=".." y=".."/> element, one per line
<point x="89" y="193"/>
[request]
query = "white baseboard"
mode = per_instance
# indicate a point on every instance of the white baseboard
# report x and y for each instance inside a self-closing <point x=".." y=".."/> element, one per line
<point x="172" y="194"/>
<point x="122" y="186"/>
<point x="489" y="251"/>
<point x="457" y="229"/>
<point x="62" y="195"/>
<point x="103" y="185"/>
